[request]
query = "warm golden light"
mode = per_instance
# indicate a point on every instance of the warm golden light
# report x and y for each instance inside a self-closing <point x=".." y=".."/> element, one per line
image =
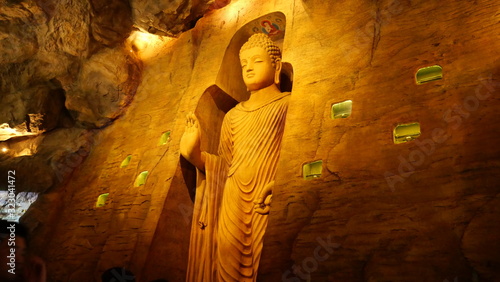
<point x="6" y="132"/>
<point x="147" y="45"/>
<point x="232" y="10"/>
<point x="24" y="152"/>
<point x="4" y="150"/>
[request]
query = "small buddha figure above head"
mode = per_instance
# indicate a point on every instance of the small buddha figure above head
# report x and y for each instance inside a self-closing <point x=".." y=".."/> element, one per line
<point x="260" y="62"/>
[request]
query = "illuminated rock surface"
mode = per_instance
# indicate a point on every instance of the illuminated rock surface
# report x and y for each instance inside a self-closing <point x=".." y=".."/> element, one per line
<point x="167" y="17"/>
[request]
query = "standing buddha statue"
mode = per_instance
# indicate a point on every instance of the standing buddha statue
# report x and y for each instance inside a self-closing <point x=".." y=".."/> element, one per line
<point x="234" y="187"/>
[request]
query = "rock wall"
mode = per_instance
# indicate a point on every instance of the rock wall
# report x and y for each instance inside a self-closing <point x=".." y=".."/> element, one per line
<point x="389" y="212"/>
<point x="70" y="65"/>
<point x="423" y="210"/>
<point x="65" y="72"/>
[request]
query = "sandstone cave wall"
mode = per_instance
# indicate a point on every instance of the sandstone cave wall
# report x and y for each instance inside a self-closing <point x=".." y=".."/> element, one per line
<point x="435" y="223"/>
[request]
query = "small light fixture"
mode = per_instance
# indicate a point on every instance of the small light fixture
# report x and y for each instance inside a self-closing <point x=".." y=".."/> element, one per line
<point x="429" y="74"/>
<point x="406" y="132"/>
<point x="126" y="161"/>
<point x="145" y="44"/>
<point x="165" y="137"/>
<point x="341" y="110"/>
<point x="101" y="200"/>
<point x="312" y="170"/>
<point x="141" y="179"/>
<point x="4" y="149"/>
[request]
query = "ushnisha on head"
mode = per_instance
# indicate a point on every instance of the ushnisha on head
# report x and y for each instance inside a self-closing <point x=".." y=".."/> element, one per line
<point x="263" y="41"/>
<point x="260" y="62"/>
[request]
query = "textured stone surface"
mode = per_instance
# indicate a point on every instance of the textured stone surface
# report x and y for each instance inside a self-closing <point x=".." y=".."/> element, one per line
<point x="104" y="87"/>
<point x="41" y="100"/>
<point x="166" y="17"/>
<point x="49" y="160"/>
<point x="481" y="242"/>
<point x="412" y="230"/>
<point x="120" y="232"/>
<point x="435" y="223"/>
<point x="111" y="21"/>
<point x="17" y="28"/>
<point x="61" y="61"/>
<point x="69" y="29"/>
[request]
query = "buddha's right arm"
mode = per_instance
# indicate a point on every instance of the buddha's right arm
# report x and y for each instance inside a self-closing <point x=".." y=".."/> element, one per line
<point x="190" y="143"/>
<point x="198" y="159"/>
<point x="195" y="156"/>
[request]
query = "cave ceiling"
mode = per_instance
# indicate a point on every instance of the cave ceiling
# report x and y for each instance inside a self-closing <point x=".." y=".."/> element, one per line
<point x="62" y="73"/>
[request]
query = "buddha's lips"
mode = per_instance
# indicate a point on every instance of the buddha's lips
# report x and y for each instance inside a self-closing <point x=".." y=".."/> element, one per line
<point x="250" y="75"/>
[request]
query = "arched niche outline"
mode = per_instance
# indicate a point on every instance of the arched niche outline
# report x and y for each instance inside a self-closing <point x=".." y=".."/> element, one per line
<point x="217" y="99"/>
<point x="229" y="78"/>
<point x="229" y="88"/>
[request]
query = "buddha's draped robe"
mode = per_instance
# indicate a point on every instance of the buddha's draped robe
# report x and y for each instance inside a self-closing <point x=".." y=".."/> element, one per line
<point x="227" y="233"/>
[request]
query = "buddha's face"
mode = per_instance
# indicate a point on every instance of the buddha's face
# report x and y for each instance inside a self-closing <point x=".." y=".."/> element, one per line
<point x="257" y="68"/>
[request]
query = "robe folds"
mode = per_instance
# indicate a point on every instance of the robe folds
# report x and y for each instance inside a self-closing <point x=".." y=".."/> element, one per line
<point x="227" y="233"/>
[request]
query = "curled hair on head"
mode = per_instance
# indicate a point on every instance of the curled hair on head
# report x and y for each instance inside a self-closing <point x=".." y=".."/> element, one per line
<point x="263" y="41"/>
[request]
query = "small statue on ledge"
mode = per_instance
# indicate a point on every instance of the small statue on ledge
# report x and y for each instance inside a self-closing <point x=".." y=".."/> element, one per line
<point x="234" y="188"/>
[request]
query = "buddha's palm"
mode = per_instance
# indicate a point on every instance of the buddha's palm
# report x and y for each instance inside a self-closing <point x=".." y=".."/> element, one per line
<point x="190" y="140"/>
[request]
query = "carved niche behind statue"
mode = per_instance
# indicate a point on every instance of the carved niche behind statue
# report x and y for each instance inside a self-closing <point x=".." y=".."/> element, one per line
<point x="235" y="148"/>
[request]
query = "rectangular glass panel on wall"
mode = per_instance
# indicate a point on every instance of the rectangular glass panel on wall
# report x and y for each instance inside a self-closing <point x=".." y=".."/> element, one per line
<point x="126" y="161"/>
<point x="341" y="110"/>
<point x="101" y="200"/>
<point x="141" y="179"/>
<point x="429" y="74"/>
<point x="406" y="132"/>
<point x="312" y="170"/>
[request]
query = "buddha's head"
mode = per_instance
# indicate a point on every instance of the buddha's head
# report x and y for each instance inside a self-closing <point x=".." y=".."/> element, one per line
<point x="260" y="62"/>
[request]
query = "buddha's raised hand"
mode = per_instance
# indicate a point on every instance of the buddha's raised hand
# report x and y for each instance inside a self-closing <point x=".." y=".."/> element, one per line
<point x="190" y="142"/>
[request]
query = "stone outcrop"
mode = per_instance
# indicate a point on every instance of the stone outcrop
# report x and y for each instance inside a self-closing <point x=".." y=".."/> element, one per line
<point x="103" y="88"/>
<point x="111" y="21"/>
<point x="65" y="65"/>
<point x="33" y="110"/>
<point x="42" y="161"/>
<point x="18" y="25"/>
<point x="166" y="17"/>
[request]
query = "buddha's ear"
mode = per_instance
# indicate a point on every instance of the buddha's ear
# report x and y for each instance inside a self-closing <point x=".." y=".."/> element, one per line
<point x="277" y="73"/>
